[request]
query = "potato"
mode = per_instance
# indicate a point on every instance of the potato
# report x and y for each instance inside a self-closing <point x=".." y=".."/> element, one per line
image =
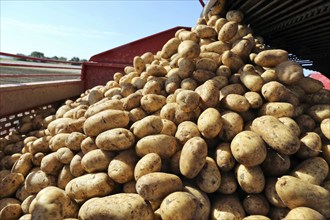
<point x="23" y="165"/>
<point x="105" y="120"/>
<point x="173" y="205"/>
<point x="203" y="202"/>
<point x="292" y="124"/>
<point x="295" y="193"/>
<point x="188" y="35"/>
<point x="310" y="85"/>
<point x="37" y="180"/>
<point x="209" y="178"/>
<point x="312" y="170"/>
<point x="146" y="126"/>
<point x="10" y="183"/>
<point x="64" y="177"/>
<point x="50" y="164"/>
<point x="227" y="207"/>
<point x="151" y="87"/>
<point x="211" y="55"/>
<point x="40" y="145"/>
<point x="208" y="93"/>
<point x="164" y="145"/>
<point x="274" y="92"/>
<point x="58" y="141"/>
<point x="115" y="139"/>
<point x="94" y="95"/>
<point x="277" y="109"/>
<point x="236" y="103"/>
<point x="271" y="194"/>
<point x="89" y="186"/>
<point x="278" y="213"/>
<point x="251" y="179"/>
<point x="228" y="31"/>
<point x="121" y="167"/>
<point x="75" y="165"/>
<point x="251" y="79"/>
<point x="202" y="76"/>
<point x="169" y="127"/>
<point x="205" y="31"/>
<point x="186" y="67"/>
<point x="242" y="48"/>
<point x="305" y="123"/>
<point x="147" y="57"/>
<point x="255" y="100"/>
<point x="256" y="204"/>
<point x="248" y="148"/>
<point x="65" y="125"/>
<point x="189" y="49"/>
<point x="234" y="15"/>
<point x="224" y="157"/>
<point x="96" y="160"/>
<point x="118" y="206"/>
<point x="256" y="217"/>
<point x="228" y="183"/>
<point x="138" y="64"/>
<point x="304" y="213"/>
<point x="325" y="127"/>
<point x="152" y="102"/>
<point x="319" y="112"/>
<point x="289" y="72"/>
<point x="10" y="209"/>
<point x="216" y="47"/>
<point x="275" y="164"/>
<point x="193" y="157"/>
<point x="64" y="155"/>
<point x="276" y="135"/>
<point x="271" y="58"/>
<point x="186" y="130"/>
<point x="26" y="203"/>
<point x="157" y="185"/>
<point x="310" y="145"/>
<point x="232" y="60"/>
<point x="147" y="164"/>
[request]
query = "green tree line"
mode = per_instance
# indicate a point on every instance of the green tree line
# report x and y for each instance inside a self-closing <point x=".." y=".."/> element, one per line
<point x="38" y="54"/>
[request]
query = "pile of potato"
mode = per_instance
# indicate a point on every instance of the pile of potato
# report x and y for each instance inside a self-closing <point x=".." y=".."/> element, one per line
<point x="214" y="126"/>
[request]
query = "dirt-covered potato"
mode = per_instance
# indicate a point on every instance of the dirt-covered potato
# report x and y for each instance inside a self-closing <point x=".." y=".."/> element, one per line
<point x="118" y="206"/>
<point x="115" y="139"/>
<point x="277" y="109"/>
<point x="275" y="164"/>
<point x="325" y="127"/>
<point x="10" y="208"/>
<point x="157" y="185"/>
<point x="189" y="49"/>
<point x="248" y="148"/>
<point x="295" y="192"/>
<point x="96" y="160"/>
<point x="271" y="58"/>
<point x="250" y="179"/>
<point x="256" y="204"/>
<point x="276" y="134"/>
<point x="147" y="164"/>
<point x="209" y="178"/>
<point x="310" y="145"/>
<point x="289" y="72"/>
<point x="89" y="186"/>
<point x="227" y="207"/>
<point x="236" y="103"/>
<point x="209" y="123"/>
<point x="178" y="205"/>
<point x="304" y="213"/>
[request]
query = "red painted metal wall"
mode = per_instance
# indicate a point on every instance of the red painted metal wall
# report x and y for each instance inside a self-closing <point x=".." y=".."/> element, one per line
<point x="101" y="67"/>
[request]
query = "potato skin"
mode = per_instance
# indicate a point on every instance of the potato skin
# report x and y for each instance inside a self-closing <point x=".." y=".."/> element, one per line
<point x="116" y="207"/>
<point x="96" y="160"/>
<point x="147" y="126"/>
<point x="105" y="120"/>
<point x="89" y="186"/>
<point x="173" y="206"/>
<point x="193" y="157"/>
<point x="147" y="164"/>
<point x="251" y="179"/>
<point x="164" y="145"/>
<point x="203" y="202"/>
<point x="227" y="207"/>
<point x="304" y="213"/>
<point x="209" y="123"/>
<point x="10" y="183"/>
<point x="209" y="178"/>
<point x="157" y="185"/>
<point x="289" y="72"/>
<point x="276" y="134"/>
<point x="325" y="127"/>
<point x="248" y="148"/>
<point x="271" y="58"/>
<point x="277" y="109"/>
<point x="115" y="139"/>
<point x="295" y="193"/>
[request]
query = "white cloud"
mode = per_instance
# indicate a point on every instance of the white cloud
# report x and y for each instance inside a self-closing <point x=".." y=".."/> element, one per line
<point x="60" y="30"/>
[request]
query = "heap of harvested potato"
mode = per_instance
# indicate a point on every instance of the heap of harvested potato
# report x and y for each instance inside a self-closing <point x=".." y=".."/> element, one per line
<point x="213" y="126"/>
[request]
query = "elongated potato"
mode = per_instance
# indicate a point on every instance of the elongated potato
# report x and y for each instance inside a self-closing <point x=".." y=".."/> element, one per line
<point x="89" y="186"/>
<point x="163" y="145"/>
<point x="277" y="109"/>
<point x="96" y="160"/>
<point x="147" y="126"/>
<point x="276" y="134"/>
<point x="209" y="123"/>
<point x="105" y="120"/>
<point x="251" y="179"/>
<point x="189" y="49"/>
<point x="209" y="178"/>
<point x="193" y="157"/>
<point x="271" y="58"/>
<point x="289" y="72"/>
<point x="115" y="139"/>
<point x="310" y="145"/>
<point x="157" y="185"/>
<point x="275" y="164"/>
<point x="256" y="204"/>
<point x="147" y="164"/>
<point x="295" y="193"/>
<point x="304" y="213"/>
<point x="23" y="165"/>
<point x="118" y="206"/>
<point x="228" y="31"/>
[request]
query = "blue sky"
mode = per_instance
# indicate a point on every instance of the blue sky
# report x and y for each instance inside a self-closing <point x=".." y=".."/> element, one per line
<point x="83" y="28"/>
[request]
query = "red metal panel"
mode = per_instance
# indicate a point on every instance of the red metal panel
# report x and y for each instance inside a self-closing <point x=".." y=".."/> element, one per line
<point x="101" y="67"/>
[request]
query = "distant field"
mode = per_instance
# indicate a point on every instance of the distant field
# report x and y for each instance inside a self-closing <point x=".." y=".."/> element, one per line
<point x="45" y="72"/>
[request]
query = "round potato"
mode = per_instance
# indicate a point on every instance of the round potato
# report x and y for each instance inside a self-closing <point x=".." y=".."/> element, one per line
<point x="209" y="123"/>
<point x="147" y="164"/>
<point x="251" y="179"/>
<point x="209" y="178"/>
<point x="224" y="157"/>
